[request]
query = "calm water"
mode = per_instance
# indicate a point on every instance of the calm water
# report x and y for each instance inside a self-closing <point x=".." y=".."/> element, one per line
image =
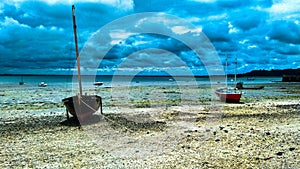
<point x="119" y="81"/>
<point x="15" y="98"/>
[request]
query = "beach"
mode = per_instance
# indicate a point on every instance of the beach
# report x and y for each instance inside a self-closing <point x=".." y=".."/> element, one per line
<point x="152" y="126"/>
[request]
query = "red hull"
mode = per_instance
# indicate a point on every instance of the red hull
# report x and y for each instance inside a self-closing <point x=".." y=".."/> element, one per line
<point x="229" y="97"/>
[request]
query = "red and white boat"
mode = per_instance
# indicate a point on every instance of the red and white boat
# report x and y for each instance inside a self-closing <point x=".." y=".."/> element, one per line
<point x="229" y="95"/>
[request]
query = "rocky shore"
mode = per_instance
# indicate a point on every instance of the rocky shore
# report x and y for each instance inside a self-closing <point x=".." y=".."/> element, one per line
<point x="172" y="131"/>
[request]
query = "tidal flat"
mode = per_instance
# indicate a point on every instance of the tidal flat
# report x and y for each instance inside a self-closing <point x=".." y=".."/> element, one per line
<point x="153" y="127"/>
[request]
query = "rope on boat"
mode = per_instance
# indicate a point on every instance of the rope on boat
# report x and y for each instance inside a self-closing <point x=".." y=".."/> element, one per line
<point x="107" y="117"/>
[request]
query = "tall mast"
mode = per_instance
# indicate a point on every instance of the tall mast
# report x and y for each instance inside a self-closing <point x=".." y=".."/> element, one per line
<point x="226" y="67"/>
<point x="77" y="53"/>
<point x="235" y="70"/>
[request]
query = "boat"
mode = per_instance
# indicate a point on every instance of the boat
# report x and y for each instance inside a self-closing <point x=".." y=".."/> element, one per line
<point x="21" y="82"/>
<point x="229" y="95"/>
<point x="290" y="78"/>
<point x="240" y="86"/>
<point x="98" y="83"/>
<point x="80" y="106"/>
<point x="250" y="78"/>
<point x="42" y="84"/>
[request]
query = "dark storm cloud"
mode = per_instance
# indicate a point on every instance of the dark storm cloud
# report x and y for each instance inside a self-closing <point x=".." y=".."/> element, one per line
<point x="217" y="33"/>
<point x="285" y="31"/>
<point x="37" y="35"/>
<point x="248" y="19"/>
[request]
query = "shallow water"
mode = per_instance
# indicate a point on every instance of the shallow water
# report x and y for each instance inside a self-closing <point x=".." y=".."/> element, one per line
<point x="138" y="92"/>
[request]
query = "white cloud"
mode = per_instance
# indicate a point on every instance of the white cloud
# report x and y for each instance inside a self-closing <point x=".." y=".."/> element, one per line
<point x="12" y="22"/>
<point x="252" y="46"/>
<point x="204" y="1"/>
<point x="193" y="19"/>
<point x="182" y="30"/>
<point x="118" y="35"/>
<point x="232" y="29"/>
<point x="42" y="27"/>
<point x="217" y="17"/>
<point x="285" y="6"/>
<point x="284" y="9"/>
<point x="121" y="4"/>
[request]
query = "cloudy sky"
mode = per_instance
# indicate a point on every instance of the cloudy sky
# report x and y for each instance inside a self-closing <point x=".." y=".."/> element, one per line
<point x="153" y="36"/>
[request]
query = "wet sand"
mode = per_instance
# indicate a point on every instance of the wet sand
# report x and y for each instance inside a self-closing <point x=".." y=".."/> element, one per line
<point x="153" y="127"/>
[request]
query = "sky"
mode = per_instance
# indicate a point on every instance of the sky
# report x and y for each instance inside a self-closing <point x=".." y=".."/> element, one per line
<point x="178" y="37"/>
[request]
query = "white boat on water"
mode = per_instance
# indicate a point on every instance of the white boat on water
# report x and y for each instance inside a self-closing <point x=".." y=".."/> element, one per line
<point x="42" y="84"/>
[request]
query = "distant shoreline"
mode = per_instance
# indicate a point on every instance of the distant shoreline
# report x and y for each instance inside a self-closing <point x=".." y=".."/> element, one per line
<point x="254" y="73"/>
<point x="36" y="75"/>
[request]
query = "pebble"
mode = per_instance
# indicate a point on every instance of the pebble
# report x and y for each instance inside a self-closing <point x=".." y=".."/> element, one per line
<point x="205" y="163"/>
<point x="221" y="127"/>
<point x="280" y="153"/>
<point x="243" y="144"/>
<point x="292" y="148"/>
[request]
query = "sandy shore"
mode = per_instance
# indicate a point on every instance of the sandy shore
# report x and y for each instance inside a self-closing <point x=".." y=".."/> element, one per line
<point x="154" y="127"/>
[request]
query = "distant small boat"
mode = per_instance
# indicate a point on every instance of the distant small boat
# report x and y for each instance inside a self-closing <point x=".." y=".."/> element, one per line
<point x="291" y="78"/>
<point x="229" y="95"/>
<point x="98" y="83"/>
<point x="42" y="84"/>
<point x="250" y="78"/>
<point x="21" y="82"/>
<point x="240" y="86"/>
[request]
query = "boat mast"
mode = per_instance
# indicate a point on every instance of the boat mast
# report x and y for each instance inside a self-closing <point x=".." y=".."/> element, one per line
<point x="77" y="53"/>
<point x="226" y="65"/>
<point x="235" y="70"/>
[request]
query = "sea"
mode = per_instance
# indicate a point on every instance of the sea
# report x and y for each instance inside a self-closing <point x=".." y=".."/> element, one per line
<point x="68" y="81"/>
<point x="31" y="100"/>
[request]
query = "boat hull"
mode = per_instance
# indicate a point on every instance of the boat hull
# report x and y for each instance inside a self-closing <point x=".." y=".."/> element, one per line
<point x="82" y="107"/>
<point x="98" y="83"/>
<point x="229" y="97"/>
<point x="241" y="87"/>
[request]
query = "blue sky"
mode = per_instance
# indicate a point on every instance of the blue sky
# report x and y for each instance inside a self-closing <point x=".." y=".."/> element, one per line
<point x="37" y="36"/>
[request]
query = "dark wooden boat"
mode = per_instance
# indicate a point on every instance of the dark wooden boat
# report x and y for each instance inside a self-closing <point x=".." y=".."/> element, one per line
<point x="84" y="106"/>
<point x="81" y="106"/>
<point x="240" y="86"/>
